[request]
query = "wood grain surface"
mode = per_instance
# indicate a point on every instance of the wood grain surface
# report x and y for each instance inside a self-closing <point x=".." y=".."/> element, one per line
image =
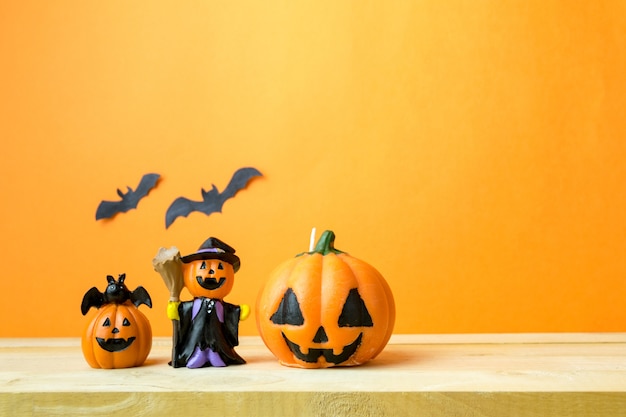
<point x="416" y="375"/>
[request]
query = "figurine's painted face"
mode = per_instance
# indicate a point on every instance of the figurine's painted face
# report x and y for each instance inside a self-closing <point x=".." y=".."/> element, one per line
<point x="211" y="278"/>
<point x="119" y="336"/>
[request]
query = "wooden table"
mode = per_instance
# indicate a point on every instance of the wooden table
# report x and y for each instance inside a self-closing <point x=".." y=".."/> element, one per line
<point x="416" y="375"/>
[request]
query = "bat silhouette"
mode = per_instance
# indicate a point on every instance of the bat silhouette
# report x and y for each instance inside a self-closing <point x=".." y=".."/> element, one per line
<point x="212" y="200"/>
<point x="115" y="292"/>
<point x="107" y="209"/>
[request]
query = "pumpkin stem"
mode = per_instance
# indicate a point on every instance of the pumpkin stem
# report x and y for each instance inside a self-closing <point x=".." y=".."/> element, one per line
<point x="326" y="244"/>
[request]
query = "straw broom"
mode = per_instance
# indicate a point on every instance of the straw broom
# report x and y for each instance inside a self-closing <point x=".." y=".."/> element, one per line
<point x="168" y="264"/>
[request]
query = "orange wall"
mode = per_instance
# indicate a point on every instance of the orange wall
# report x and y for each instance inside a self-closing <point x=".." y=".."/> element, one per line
<point x="473" y="152"/>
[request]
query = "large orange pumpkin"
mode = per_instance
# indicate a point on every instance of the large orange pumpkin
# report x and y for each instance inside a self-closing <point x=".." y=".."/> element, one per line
<point x="325" y="308"/>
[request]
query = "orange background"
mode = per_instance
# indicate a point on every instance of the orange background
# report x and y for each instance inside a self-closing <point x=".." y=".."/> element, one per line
<point x="473" y="152"/>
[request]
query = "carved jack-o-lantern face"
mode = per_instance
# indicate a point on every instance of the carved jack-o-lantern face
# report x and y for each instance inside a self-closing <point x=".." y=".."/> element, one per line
<point x="324" y="309"/>
<point x="353" y="317"/>
<point x="211" y="278"/>
<point x="119" y="336"/>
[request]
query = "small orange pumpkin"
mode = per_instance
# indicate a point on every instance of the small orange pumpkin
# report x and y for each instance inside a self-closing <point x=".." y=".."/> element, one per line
<point x="325" y="308"/>
<point x="119" y="335"/>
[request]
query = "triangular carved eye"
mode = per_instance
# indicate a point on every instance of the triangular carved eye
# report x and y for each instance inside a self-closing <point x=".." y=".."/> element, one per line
<point x="354" y="313"/>
<point x="288" y="311"/>
<point x="106" y="323"/>
<point x="125" y="322"/>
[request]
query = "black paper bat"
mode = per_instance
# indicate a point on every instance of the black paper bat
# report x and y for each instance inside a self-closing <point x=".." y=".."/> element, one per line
<point x="212" y="200"/>
<point x="108" y="209"/>
<point x="115" y="292"/>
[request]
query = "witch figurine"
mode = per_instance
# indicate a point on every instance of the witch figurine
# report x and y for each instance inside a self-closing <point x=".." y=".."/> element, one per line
<point x="205" y="329"/>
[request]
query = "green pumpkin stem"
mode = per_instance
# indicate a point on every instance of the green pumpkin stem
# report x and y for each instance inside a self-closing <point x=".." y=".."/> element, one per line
<point x="326" y="244"/>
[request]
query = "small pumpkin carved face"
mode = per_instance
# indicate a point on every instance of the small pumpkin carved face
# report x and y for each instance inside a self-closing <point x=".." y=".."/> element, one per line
<point x="325" y="308"/>
<point x="119" y="336"/>
<point x="211" y="278"/>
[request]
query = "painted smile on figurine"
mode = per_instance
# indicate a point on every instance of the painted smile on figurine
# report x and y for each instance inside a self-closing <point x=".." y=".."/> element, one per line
<point x="328" y="354"/>
<point x="115" y="345"/>
<point x="210" y="283"/>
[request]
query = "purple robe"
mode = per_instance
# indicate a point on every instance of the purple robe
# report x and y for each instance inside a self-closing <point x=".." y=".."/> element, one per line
<point x="207" y="334"/>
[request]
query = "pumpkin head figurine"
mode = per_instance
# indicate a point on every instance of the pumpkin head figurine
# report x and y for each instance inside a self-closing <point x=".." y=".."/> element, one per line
<point x="325" y="308"/>
<point x="119" y="335"/>
<point x="205" y="329"/>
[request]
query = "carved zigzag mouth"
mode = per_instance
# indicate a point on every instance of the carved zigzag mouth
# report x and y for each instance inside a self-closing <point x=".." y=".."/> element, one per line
<point x="115" y="345"/>
<point x="210" y="283"/>
<point x="314" y="353"/>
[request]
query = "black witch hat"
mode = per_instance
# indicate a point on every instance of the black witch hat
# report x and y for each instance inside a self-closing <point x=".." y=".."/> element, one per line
<point x="213" y="248"/>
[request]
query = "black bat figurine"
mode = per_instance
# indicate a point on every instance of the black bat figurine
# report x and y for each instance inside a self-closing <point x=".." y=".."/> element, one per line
<point x="115" y="292"/>
<point x="212" y="200"/>
<point x="129" y="200"/>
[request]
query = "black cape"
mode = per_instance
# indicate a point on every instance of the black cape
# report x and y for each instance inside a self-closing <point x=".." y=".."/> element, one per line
<point x="206" y="331"/>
